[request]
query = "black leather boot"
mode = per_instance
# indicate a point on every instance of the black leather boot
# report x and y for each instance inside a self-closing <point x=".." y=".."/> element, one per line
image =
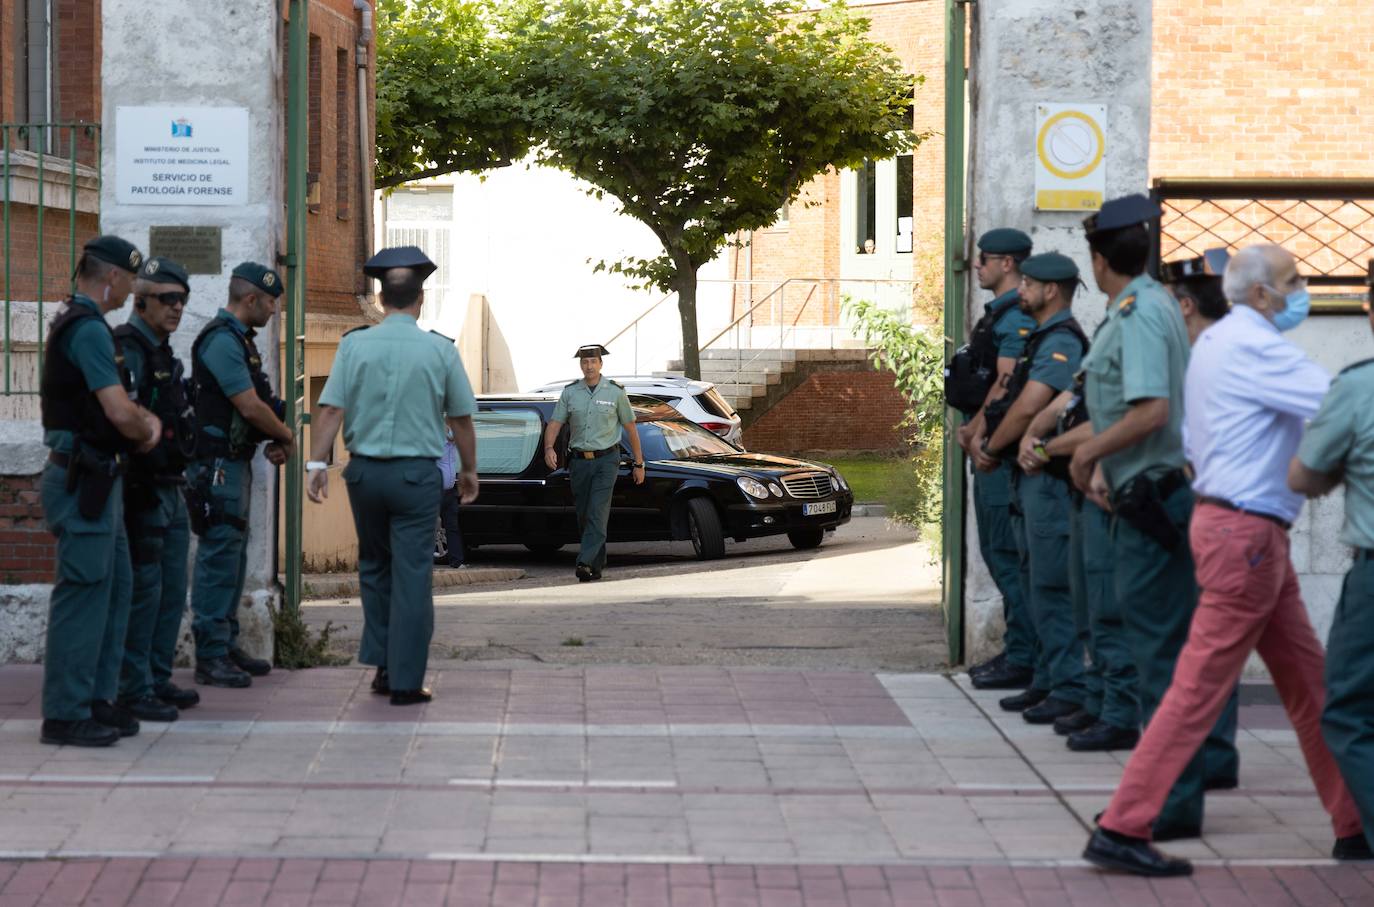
<point x="245" y="662"/>
<point x="113" y="716"/>
<point x="221" y="672"/>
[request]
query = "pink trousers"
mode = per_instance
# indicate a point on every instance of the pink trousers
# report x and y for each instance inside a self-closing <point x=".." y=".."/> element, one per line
<point x="1250" y="601"/>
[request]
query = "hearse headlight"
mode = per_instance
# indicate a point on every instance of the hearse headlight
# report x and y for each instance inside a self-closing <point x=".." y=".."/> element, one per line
<point x="752" y="487"/>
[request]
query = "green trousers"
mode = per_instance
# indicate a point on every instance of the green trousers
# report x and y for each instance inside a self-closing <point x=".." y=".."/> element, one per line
<point x="1348" y="717"/>
<point x="1044" y="504"/>
<point x="395" y="506"/>
<point x="997" y="544"/>
<point x="160" y="538"/>
<point x="593" y="483"/>
<point x="1111" y="677"/>
<point x="1157" y="593"/>
<point x="89" y="608"/>
<point x="221" y="558"/>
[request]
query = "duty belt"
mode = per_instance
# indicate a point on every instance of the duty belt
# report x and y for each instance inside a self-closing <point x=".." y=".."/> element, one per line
<point x="117" y="465"/>
<point x="1235" y="508"/>
<point x="1170" y="482"/>
<point x="1364" y="554"/>
<point x="592" y="454"/>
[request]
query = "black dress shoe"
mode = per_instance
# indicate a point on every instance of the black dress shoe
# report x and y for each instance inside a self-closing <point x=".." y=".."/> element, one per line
<point x="175" y="695"/>
<point x="1102" y="737"/>
<point x="245" y="662"/>
<point x="1049" y="710"/>
<point x="584" y="573"/>
<point x="85" y="732"/>
<point x="381" y="683"/>
<point x="411" y="697"/>
<point x="1176" y="832"/>
<point x="149" y="708"/>
<point x="221" y="672"/>
<point x="1123" y="853"/>
<point x="113" y="716"/>
<point x="1005" y="677"/>
<point x="992" y="664"/>
<point x="1221" y="784"/>
<point x="1080" y="720"/>
<point x="1352" y="847"/>
<point x="1024" y="700"/>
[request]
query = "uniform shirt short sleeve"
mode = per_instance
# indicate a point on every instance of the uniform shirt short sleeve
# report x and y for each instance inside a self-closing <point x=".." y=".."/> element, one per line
<point x="1144" y="346"/>
<point x="335" y="391"/>
<point x="560" y="409"/>
<point x="223" y="357"/>
<point x="458" y="397"/>
<point x="1012" y="331"/>
<point x="91" y="349"/>
<point x="1331" y="433"/>
<point x="1056" y="360"/>
<point x="623" y="408"/>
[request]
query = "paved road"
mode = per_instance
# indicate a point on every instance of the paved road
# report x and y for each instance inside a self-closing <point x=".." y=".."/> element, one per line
<point x="868" y="598"/>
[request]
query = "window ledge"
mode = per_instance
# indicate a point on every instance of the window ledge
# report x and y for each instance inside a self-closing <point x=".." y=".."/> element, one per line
<point x="21" y="184"/>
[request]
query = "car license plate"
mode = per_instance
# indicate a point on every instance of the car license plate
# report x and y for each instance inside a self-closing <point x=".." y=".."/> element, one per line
<point x="818" y="508"/>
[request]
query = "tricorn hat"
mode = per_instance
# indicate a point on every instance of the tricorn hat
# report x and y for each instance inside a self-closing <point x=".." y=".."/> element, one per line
<point x="591" y="349"/>
<point x="399" y="257"/>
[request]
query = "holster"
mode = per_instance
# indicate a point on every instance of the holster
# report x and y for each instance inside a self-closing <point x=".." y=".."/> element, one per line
<point x="92" y="476"/>
<point x="203" y="512"/>
<point x="1140" y="503"/>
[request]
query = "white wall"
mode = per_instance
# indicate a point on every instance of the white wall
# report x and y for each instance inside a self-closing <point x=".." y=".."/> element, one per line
<point x="527" y="238"/>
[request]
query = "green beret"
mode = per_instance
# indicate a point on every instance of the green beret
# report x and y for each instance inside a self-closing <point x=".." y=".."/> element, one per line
<point x="260" y="276"/>
<point x="115" y="251"/>
<point x="164" y="270"/>
<point x="1004" y="241"/>
<point x="1049" y="267"/>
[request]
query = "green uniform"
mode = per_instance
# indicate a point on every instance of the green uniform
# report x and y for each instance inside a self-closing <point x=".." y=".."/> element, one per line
<point x="222" y="554"/>
<point x="594" y="416"/>
<point x="1141" y="353"/>
<point x="1111" y="674"/>
<point x="89" y="608"/>
<point x="992" y="508"/>
<point x="1044" y="504"/>
<point x="160" y="540"/>
<point x="395" y="384"/>
<point x="1341" y="437"/>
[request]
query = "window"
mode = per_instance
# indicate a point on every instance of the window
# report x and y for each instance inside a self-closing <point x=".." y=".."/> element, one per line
<point x="685" y="440"/>
<point x="905" y="200"/>
<point x="422" y="216"/>
<point x="715" y="404"/>
<point x="866" y="208"/>
<point x="33" y="71"/>
<point x="784" y="216"/>
<point x="343" y="141"/>
<point x="315" y="130"/>
<point x="507" y="440"/>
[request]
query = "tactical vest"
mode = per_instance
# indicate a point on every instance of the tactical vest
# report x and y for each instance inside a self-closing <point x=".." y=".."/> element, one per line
<point x="212" y="406"/>
<point x="998" y="409"/>
<point x="1074" y="415"/>
<point x="68" y="404"/>
<point x="162" y="389"/>
<point x="972" y="369"/>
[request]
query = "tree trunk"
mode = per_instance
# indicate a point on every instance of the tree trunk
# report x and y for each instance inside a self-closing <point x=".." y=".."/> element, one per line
<point x="687" y="311"/>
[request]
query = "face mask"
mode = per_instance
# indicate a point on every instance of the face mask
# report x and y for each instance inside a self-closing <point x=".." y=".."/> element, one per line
<point x="1297" y="304"/>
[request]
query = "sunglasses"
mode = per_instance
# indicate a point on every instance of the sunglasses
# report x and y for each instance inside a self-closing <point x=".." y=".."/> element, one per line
<point x="167" y="299"/>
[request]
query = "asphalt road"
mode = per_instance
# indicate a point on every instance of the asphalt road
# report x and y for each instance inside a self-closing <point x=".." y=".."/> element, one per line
<point x="868" y="598"/>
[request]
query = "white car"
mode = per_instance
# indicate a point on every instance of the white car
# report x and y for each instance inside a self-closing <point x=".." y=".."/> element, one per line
<point x="698" y="401"/>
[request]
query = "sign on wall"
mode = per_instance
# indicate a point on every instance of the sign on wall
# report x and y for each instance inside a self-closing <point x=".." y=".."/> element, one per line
<point x="181" y="155"/>
<point x="1070" y="152"/>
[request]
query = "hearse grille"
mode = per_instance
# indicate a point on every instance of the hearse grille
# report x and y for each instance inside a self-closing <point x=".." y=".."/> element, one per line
<point x="811" y="485"/>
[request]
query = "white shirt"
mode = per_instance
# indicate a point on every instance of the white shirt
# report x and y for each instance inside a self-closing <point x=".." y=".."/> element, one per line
<point x="1247" y="396"/>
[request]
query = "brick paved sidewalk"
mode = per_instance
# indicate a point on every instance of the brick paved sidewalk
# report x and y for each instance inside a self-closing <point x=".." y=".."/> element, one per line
<point x="673" y="786"/>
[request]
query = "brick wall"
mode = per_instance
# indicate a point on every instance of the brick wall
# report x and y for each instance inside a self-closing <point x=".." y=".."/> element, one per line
<point x="24" y="245"/>
<point x="1247" y="88"/>
<point x="833" y="410"/>
<point x="27" y="549"/>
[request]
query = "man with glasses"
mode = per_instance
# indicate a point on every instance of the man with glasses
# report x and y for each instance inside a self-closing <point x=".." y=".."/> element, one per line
<point x="154" y="513"/>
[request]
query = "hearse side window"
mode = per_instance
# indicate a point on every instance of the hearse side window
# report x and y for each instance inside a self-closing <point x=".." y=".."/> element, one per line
<point x="506" y="440"/>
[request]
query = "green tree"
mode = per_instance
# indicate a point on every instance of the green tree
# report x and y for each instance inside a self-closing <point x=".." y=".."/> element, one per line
<point x="699" y="119"/>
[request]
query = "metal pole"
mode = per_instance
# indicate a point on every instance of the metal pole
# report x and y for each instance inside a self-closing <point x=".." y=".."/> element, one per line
<point x="298" y="82"/>
<point x="5" y="136"/>
<point x="71" y="207"/>
<point x="42" y="139"/>
<point x="952" y="513"/>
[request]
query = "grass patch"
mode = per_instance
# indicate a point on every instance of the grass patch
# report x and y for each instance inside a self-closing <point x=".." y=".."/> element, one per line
<point x="296" y="646"/>
<point x="879" y="480"/>
<point x="574" y="641"/>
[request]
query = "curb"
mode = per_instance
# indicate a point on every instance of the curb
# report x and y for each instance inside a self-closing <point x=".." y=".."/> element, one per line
<point x="319" y="586"/>
<point x="868" y="510"/>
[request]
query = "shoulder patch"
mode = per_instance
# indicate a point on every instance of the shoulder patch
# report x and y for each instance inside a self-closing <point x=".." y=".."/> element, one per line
<point x="616" y="383"/>
<point x="1354" y="365"/>
<point x="1127" y="305"/>
<point x="361" y="327"/>
<point x="1023" y="331"/>
<point x="445" y="336"/>
<point x="1059" y="357"/>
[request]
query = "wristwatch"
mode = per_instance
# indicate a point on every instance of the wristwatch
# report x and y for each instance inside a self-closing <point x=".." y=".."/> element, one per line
<point x="637" y="465"/>
<point x="313" y="465"/>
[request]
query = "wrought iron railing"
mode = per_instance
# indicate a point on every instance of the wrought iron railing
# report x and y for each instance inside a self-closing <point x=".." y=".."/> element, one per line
<point x="1328" y="225"/>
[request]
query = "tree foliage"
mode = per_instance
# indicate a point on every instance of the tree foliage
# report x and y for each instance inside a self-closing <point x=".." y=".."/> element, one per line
<point x="700" y="119"/>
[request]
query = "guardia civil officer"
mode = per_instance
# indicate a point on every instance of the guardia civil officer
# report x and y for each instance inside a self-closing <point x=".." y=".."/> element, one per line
<point x="1046" y="367"/>
<point x="976" y="377"/>
<point x="235" y="411"/>
<point x="1339" y="448"/>
<point x="154" y="512"/>
<point x="595" y="409"/>
<point x="392" y="387"/>
<point x="91" y="425"/>
<point x="1196" y="284"/>
<point x="1134" y="391"/>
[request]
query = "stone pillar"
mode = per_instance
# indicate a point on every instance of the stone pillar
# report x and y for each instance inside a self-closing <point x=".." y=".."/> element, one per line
<point x="1025" y="52"/>
<point x="226" y="55"/>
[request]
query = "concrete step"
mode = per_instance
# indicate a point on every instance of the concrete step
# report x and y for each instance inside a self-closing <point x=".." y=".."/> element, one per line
<point x="741" y="390"/>
<point x="747" y="354"/>
<point x="751" y="376"/>
<point x="740" y="403"/>
<point x="849" y="354"/>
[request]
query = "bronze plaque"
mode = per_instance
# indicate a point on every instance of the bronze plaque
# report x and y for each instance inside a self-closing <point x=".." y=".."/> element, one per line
<point x="197" y="249"/>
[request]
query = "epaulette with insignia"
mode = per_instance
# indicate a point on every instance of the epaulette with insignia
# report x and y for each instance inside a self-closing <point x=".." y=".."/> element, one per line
<point x="361" y="327"/>
<point x="1127" y="305"/>
<point x="616" y="383"/>
<point x="445" y="336"/>
<point x="1354" y="365"/>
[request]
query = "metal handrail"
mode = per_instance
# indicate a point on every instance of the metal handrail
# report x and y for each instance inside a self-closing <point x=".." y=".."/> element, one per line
<point x="642" y="316"/>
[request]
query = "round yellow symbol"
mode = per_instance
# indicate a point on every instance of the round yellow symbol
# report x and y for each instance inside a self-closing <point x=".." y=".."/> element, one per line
<point x="1070" y="144"/>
